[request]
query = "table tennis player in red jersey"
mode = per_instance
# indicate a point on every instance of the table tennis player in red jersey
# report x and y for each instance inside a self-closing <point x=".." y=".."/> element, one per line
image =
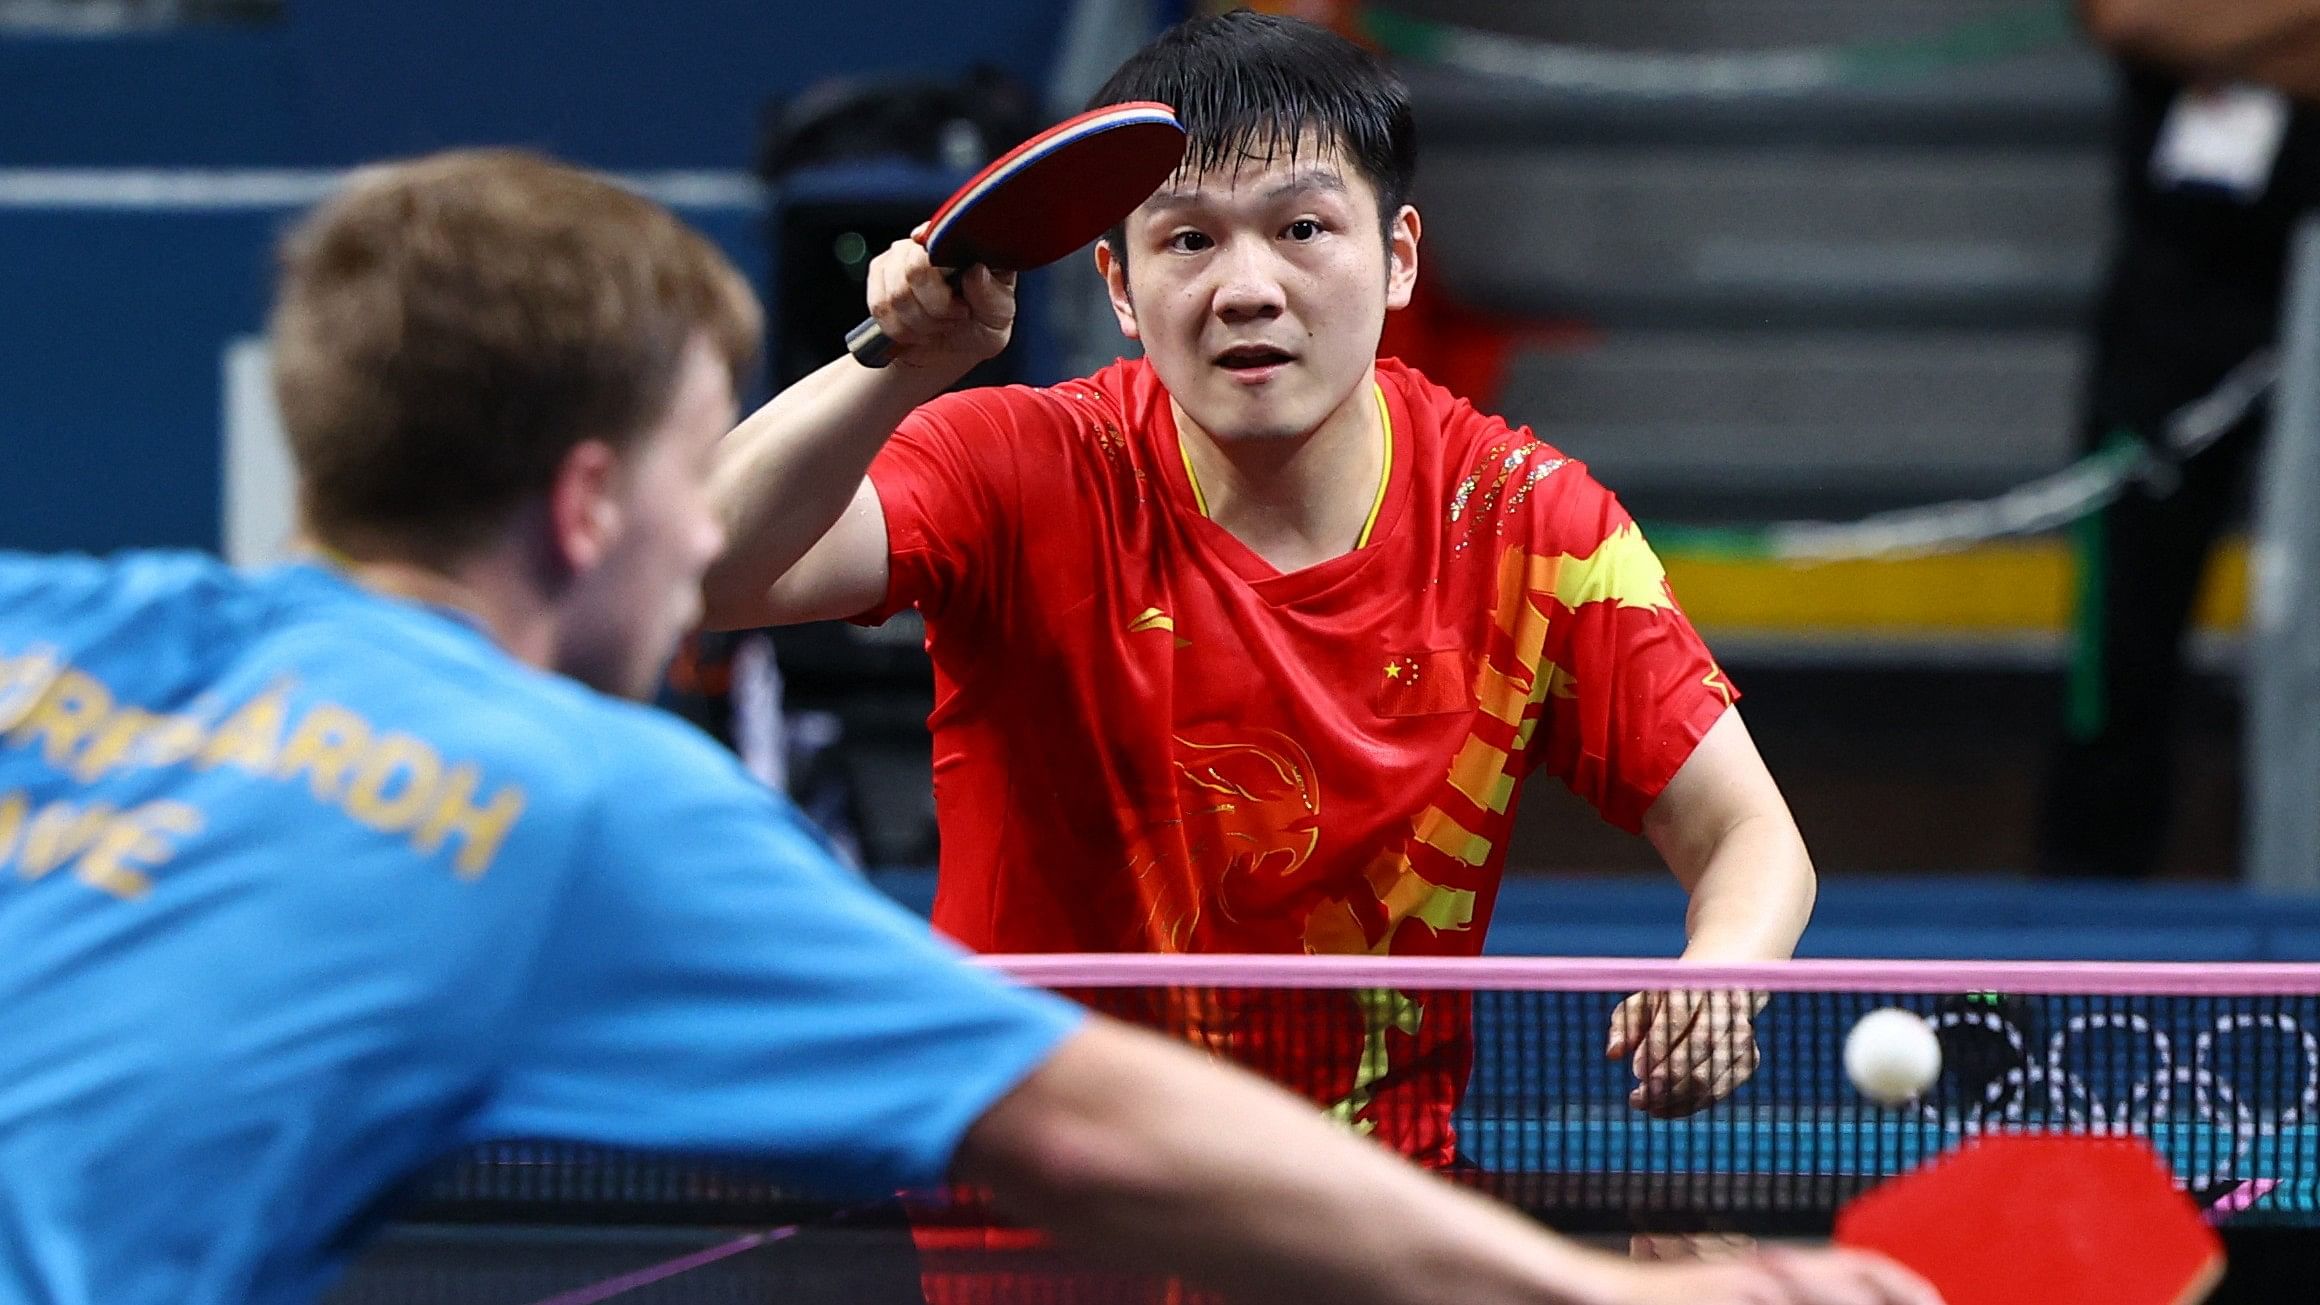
<point x="1247" y="646"/>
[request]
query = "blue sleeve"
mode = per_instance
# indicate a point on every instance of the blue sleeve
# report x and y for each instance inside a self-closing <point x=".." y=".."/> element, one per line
<point x="716" y="982"/>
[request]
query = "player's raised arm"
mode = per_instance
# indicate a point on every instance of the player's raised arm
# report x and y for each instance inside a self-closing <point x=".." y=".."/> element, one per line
<point x="2274" y="42"/>
<point x="807" y="537"/>
<point x="1141" y="1151"/>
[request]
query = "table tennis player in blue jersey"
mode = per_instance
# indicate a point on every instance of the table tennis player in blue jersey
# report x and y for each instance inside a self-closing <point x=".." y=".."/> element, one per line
<point x="310" y="875"/>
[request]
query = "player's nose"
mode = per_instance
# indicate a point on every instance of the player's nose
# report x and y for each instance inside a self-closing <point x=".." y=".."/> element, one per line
<point x="1248" y="283"/>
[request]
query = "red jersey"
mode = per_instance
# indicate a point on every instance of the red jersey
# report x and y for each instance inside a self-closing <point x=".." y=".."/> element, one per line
<point x="1148" y="739"/>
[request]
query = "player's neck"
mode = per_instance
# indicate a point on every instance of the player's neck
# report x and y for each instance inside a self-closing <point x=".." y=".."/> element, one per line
<point x="1294" y="502"/>
<point x="491" y="589"/>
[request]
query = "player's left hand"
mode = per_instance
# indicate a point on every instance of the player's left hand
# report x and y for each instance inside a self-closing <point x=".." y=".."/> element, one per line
<point x="1689" y="1049"/>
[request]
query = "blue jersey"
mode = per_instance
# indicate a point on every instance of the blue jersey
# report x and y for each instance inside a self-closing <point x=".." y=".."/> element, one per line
<point x="301" y="887"/>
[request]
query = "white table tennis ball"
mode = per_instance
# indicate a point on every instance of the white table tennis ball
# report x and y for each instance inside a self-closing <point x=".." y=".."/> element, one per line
<point x="1892" y="1055"/>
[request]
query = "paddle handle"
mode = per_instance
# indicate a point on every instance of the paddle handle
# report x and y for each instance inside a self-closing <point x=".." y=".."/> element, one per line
<point x="869" y="345"/>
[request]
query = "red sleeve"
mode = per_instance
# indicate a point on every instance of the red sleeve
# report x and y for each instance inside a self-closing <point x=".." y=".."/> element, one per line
<point x="1634" y="686"/>
<point x="949" y="482"/>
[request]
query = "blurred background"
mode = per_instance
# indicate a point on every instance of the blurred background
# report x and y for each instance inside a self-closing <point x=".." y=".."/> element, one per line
<point x="1762" y="263"/>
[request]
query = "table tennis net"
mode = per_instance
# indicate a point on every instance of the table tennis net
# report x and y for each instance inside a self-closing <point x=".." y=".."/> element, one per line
<point x="1496" y="1073"/>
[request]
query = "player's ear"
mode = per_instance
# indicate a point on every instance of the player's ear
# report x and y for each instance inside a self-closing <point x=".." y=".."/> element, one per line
<point x="584" y="513"/>
<point x="1114" y="270"/>
<point x="1401" y="257"/>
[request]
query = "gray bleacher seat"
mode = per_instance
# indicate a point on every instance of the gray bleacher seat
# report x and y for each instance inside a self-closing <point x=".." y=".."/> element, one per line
<point x="1808" y="303"/>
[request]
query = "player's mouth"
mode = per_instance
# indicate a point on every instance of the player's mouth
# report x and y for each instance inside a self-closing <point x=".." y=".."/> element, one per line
<point x="1254" y="364"/>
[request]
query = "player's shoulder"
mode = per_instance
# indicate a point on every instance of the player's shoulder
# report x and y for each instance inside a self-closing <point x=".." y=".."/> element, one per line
<point x="637" y="743"/>
<point x="29" y="577"/>
<point x="147" y="616"/>
<point x="1081" y="413"/>
<point x="51" y="586"/>
<point x="1493" y="467"/>
<point x="1126" y="393"/>
<point x="1452" y="425"/>
<point x="435" y="675"/>
<point x="585" y="744"/>
<point x="1467" y="440"/>
<point x="658" y="786"/>
<point x="631" y="782"/>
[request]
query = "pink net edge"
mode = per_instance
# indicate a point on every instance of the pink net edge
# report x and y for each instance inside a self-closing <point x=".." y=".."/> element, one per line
<point x="1605" y="974"/>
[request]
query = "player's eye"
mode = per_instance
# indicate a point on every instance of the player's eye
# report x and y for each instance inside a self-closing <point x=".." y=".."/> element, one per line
<point x="1303" y="229"/>
<point x="1189" y="242"/>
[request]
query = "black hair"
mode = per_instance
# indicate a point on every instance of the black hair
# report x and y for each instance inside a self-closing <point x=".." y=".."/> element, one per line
<point x="1247" y="85"/>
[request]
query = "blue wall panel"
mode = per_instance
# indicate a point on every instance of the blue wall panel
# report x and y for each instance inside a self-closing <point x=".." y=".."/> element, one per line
<point x="113" y="323"/>
<point x="113" y="330"/>
<point x="198" y="98"/>
<point x="110" y="348"/>
<point x="610" y="82"/>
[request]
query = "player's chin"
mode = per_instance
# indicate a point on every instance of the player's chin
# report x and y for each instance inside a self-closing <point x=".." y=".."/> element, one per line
<point x="641" y="678"/>
<point x="643" y="665"/>
<point x="1256" y="418"/>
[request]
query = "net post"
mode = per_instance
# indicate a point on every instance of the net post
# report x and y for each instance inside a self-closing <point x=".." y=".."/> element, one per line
<point x="2283" y="641"/>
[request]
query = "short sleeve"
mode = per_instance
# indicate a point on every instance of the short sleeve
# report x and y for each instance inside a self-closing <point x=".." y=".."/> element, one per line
<point x="717" y="983"/>
<point x="948" y="481"/>
<point x="1634" y="687"/>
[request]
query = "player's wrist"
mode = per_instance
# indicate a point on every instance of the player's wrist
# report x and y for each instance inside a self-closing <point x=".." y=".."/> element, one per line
<point x="908" y="382"/>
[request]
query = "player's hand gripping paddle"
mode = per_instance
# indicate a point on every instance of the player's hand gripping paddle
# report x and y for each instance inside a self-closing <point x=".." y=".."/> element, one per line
<point x="2042" y="1219"/>
<point x="1045" y="198"/>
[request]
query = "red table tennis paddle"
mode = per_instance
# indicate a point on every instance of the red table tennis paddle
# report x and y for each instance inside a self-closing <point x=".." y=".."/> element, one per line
<point x="1046" y="197"/>
<point x="2043" y="1219"/>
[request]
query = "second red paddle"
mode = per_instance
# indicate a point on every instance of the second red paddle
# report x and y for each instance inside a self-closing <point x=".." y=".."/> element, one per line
<point x="2043" y="1219"/>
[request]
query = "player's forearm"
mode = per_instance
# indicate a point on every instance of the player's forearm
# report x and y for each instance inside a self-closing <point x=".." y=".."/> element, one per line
<point x="2290" y="66"/>
<point x="789" y="469"/>
<point x="2274" y="42"/>
<point x="1151" y="1157"/>
<point x="1754" y="895"/>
